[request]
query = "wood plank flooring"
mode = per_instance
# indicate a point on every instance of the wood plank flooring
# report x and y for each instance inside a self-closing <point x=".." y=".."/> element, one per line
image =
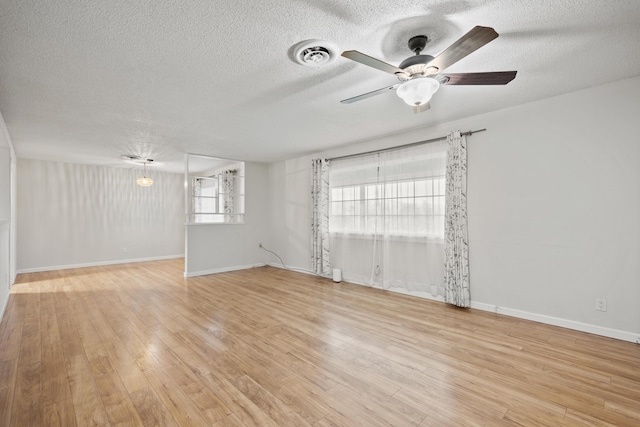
<point x="139" y="345"/>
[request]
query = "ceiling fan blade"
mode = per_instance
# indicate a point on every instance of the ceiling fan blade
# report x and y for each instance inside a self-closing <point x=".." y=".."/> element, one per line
<point x="420" y="108"/>
<point x="370" y="94"/>
<point x="490" y="78"/>
<point x="470" y="42"/>
<point x="360" y="57"/>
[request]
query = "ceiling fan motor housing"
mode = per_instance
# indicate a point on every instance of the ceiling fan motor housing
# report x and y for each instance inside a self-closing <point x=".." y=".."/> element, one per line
<point x="418" y="66"/>
<point x="417" y="44"/>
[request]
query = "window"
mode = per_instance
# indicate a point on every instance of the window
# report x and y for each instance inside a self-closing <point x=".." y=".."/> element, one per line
<point x="394" y="195"/>
<point x="404" y="208"/>
<point x="215" y="190"/>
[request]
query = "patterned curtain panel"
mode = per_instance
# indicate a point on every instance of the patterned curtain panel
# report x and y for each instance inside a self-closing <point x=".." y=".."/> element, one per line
<point x="456" y="241"/>
<point x="320" y="261"/>
<point x="197" y="192"/>
<point x="228" y="188"/>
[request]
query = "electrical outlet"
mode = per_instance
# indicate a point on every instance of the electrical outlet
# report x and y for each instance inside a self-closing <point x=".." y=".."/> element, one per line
<point x="601" y="304"/>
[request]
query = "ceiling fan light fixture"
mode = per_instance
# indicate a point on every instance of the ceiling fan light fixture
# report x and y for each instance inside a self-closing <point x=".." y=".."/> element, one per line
<point x="418" y="91"/>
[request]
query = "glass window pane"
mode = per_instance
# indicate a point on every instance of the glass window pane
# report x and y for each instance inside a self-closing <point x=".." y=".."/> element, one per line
<point x="391" y="207"/>
<point x="347" y="208"/>
<point x="391" y="225"/>
<point x="347" y="224"/>
<point x="439" y="225"/>
<point x="347" y="193"/>
<point x="429" y="205"/>
<point x="421" y="187"/>
<point x="429" y="187"/>
<point x="370" y="226"/>
<point x="391" y="190"/>
<point x="357" y="193"/>
<point x="206" y="192"/>
<point x="441" y="186"/>
<point x="335" y="223"/>
<point x="207" y="205"/>
<point x="371" y="207"/>
<point x="403" y="225"/>
<point x="411" y="203"/>
<point x="405" y="189"/>
<point x="405" y="206"/>
<point x="371" y="192"/>
<point x="421" y="206"/>
<point x="357" y="223"/>
<point x="411" y="225"/>
<point x="438" y="208"/>
<point x="421" y="225"/>
<point x="336" y="208"/>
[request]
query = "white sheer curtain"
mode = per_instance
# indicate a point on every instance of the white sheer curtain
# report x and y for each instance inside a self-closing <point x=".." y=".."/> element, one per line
<point x="320" y="262"/>
<point x="387" y="218"/>
<point x="456" y="241"/>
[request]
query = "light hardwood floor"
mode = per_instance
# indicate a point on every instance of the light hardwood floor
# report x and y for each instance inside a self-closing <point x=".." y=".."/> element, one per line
<point x="138" y="344"/>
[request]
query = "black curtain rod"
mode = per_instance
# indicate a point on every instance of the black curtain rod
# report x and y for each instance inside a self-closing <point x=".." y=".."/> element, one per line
<point x="382" y="150"/>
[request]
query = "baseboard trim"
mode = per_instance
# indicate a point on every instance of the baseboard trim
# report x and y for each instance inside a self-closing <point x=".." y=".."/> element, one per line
<point x="95" y="264"/>
<point x="4" y="306"/>
<point x="556" y="321"/>
<point x="419" y="294"/>
<point x="222" y="270"/>
<point x="425" y="295"/>
<point x="296" y="269"/>
<point x="541" y="318"/>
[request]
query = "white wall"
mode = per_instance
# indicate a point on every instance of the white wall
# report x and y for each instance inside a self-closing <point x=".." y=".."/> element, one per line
<point x="212" y="248"/>
<point x="5" y="227"/>
<point x="5" y="183"/>
<point x="554" y="207"/>
<point x="75" y="215"/>
<point x="7" y="215"/>
<point x="290" y="211"/>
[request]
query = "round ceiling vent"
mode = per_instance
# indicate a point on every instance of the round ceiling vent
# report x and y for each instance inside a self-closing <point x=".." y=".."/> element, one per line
<point x="315" y="53"/>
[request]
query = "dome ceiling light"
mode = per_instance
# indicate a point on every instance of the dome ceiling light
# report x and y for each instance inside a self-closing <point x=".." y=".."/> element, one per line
<point x="143" y="181"/>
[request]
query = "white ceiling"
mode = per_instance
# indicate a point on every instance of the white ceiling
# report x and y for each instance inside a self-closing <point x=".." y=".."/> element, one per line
<point x="85" y="81"/>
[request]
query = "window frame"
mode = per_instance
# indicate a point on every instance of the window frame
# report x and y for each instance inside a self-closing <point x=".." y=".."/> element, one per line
<point x="388" y="203"/>
<point x="215" y="173"/>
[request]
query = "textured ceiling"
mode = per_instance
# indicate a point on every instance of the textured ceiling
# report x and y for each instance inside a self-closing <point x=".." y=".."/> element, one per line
<point x="85" y="81"/>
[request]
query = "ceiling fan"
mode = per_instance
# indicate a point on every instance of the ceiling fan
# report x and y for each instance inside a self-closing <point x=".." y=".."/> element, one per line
<point x="421" y="75"/>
